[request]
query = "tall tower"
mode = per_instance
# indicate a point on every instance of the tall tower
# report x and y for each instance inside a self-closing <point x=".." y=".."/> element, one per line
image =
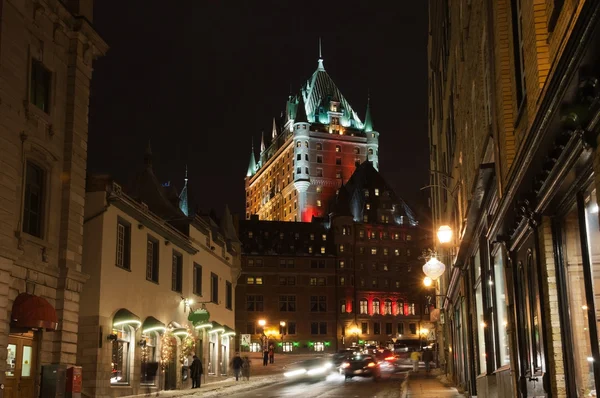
<point x="321" y="142"/>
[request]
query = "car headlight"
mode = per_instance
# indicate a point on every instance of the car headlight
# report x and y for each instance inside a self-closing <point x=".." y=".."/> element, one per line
<point x="328" y="365"/>
<point x="295" y="372"/>
<point x="345" y="365"/>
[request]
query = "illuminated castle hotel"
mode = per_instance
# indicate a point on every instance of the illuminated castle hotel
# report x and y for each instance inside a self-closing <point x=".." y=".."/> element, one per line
<point x="321" y="142"/>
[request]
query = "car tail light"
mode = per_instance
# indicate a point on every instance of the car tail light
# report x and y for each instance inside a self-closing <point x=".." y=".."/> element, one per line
<point x="390" y="358"/>
<point x="372" y="364"/>
<point x="345" y="365"/>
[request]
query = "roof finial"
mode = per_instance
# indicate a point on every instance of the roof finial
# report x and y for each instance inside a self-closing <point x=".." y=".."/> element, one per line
<point x="274" y="130"/>
<point x="321" y="67"/>
<point x="262" y="142"/>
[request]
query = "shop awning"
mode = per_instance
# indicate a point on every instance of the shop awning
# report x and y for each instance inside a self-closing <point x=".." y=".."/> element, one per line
<point x="216" y="328"/>
<point x="29" y="311"/>
<point x="151" y="324"/>
<point x="199" y="316"/>
<point x="125" y="317"/>
<point x="181" y="332"/>
<point x="228" y="331"/>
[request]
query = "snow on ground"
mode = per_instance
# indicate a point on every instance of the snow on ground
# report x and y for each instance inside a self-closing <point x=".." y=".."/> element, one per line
<point x="230" y="386"/>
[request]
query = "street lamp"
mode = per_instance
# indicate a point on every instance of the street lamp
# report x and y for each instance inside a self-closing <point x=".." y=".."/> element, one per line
<point x="444" y="234"/>
<point x="434" y="268"/>
<point x="427" y="281"/>
<point x="262" y="323"/>
<point x="282" y="331"/>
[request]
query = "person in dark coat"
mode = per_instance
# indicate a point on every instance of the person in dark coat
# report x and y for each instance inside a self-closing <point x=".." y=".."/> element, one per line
<point x="427" y="358"/>
<point x="236" y="364"/>
<point x="196" y="372"/>
<point x="271" y="354"/>
<point x="265" y="357"/>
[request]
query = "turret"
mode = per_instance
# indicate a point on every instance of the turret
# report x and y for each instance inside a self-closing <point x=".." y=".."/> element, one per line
<point x="372" y="138"/>
<point x="301" y="155"/>
<point x="183" y="196"/>
<point x="252" y="165"/>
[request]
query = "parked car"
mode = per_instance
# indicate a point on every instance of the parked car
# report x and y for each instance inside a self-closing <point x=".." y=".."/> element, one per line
<point x="361" y="366"/>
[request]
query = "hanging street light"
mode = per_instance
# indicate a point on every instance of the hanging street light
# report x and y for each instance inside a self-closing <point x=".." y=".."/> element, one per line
<point x="434" y="268"/>
<point x="444" y="234"/>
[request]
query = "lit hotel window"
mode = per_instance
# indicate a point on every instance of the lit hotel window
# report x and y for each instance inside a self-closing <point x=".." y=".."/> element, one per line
<point x="322" y="249"/>
<point x="318" y="202"/>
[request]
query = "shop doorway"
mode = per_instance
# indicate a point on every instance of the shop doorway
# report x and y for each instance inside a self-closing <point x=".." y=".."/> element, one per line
<point x="171" y="369"/>
<point x="20" y="366"/>
<point x="224" y="361"/>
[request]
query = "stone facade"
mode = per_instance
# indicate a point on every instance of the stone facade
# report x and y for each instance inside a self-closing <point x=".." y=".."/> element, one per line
<point x="145" y="281"/>
<point x="47" y="48"/>
<point x="506" y="80"/>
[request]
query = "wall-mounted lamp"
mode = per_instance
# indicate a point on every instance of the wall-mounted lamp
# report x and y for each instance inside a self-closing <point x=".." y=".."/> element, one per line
<point x="111" y="337"/>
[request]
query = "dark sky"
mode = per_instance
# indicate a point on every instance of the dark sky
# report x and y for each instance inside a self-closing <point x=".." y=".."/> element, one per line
<point x="200" y="78"/>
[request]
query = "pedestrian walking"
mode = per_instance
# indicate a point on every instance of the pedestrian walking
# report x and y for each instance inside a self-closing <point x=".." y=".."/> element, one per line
<point x="271" y="353"/>
<point x="265" y="357"/>
<point x="427" y="358"/>
<point x="415" y="357"/>
<point x="236" y="365"/>
<point x="246" y="368"/>
<point x="196" y="371"/>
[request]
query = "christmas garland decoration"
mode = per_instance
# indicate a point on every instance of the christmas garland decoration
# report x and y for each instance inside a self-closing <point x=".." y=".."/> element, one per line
<point x="167" y="348"/>
<point x="188" y="346"/>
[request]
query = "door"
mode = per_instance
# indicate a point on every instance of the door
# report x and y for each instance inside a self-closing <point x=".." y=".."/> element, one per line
<point x="20" y="367"/>
<point x="533" y="373"/>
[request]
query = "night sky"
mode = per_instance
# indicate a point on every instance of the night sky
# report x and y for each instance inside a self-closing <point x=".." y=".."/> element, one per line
<point x="200" y="78"/>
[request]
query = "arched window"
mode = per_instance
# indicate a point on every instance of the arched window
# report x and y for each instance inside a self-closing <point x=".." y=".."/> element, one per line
<point x="338" y="148"/>
<point x="387" y="309"/>
<point x="376" y="307"/>
<point x="298" y="144"/>
<point x="370" y="151"/>
<point x="399" y="307"/>
<point x="306" y="144"/>
<point x="364" y="306"/>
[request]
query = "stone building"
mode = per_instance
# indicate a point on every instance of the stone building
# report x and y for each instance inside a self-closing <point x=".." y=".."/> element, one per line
<point x="47" y="48"/>
<point x="161" y="288"/>
<point x="345" y="280"/>
<point x="513" y="100"/>
<point x="313" y="150"/>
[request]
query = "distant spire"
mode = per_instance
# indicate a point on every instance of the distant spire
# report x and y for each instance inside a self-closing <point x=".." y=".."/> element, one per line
<point x="320" y="67"/>
<point x="274" y="131"/>
<point x="368" y="119"/>
<point x="301" y="112"/>
<point x="148" y="155"/>
<point x="262" y="142"/>
<point x="252" y="164"/>
<point x="183" y="196"/>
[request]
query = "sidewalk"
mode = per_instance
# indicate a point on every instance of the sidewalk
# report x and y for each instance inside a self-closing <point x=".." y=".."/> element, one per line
<point x="422" y="385"/>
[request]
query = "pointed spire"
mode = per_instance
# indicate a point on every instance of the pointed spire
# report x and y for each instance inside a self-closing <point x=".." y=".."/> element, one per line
<point x="183" y="196"/>
<point x="368" y="119"/>
<point x="274" y="131"/>
<point x="262" y="142"/>
<point x="252" y="164"/>
<point x="148" y="155"/>
<point x="301" y="112"/>
<point x="320" y="67"/>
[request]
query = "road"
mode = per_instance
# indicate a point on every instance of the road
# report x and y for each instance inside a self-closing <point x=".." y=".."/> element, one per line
<point x="333" y="387"/>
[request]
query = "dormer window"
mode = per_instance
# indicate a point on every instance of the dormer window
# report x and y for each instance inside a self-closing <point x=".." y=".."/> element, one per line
<point x="335" y="120"/>
<point x="319" y="146"/>
<point x="356" y="150"/>
<point x="376" y="191"/>
<point x="338" y="148"/>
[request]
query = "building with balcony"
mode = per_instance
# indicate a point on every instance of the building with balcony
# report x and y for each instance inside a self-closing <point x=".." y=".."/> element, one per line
<point x="161" y="288"/>
<point x="513" y="102"/>
<point x="47" y="51"/>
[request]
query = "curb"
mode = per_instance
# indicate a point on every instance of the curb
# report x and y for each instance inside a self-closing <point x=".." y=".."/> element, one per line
<point x="404" y="387"/>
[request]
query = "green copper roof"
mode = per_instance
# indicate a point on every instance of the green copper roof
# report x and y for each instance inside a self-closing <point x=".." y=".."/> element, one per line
<point x="321" y="88"/>
<point x="368" y="119"/>
<point x="300" y="112"/>
<point x="252" y="165"/>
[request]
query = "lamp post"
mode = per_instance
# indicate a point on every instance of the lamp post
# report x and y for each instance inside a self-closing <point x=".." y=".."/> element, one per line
<point x="262" y="323"/>
<point x="282" y="331"/>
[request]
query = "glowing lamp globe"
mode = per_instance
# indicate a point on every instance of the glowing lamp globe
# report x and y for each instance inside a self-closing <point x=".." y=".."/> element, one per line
<point x="444" y="234"/>
<point x="427" y="281"/>
<point x="434" y="268"/>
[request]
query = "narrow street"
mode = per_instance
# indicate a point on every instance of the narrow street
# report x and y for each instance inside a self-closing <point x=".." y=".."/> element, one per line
<point x="334" y="386"/>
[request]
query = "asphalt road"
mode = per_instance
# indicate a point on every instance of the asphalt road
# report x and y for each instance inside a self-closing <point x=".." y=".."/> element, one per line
<point x="333" y="387"/>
